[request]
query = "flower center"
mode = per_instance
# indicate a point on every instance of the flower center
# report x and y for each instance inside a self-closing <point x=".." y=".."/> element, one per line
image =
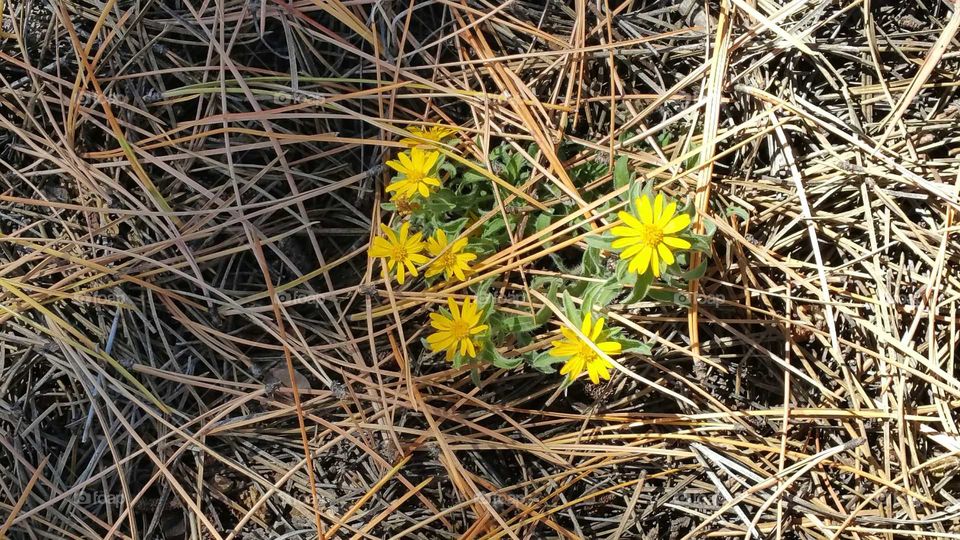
<point x="415" y="176"/>
<point x="448" y="259"/>
<point x="400" y="252"/>
<point x="460" y="329"/>
<point x="651" y="235"/>
<point x="587" y="353"/>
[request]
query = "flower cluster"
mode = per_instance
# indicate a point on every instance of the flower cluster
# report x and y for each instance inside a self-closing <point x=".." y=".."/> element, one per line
<point x="650" y="242"/>
<point x="417" y="178"/>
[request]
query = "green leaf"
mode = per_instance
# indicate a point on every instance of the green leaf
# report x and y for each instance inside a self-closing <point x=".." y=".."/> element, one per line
<point x="513" y="324"/>
<point x="453" y="228"/>
<point x="544" y="362"/>
<point x="591" y="262"/>
<point x="570" y="309"/>
<point x="738" y="211"/>
<point x="544" y="314"/>
<point x="695" y="273"/>
<point x="601" y="241"/>
<point x="448" y="168"/>
<point x="507" y="363"/>
<point x="623" y="274"/>
<point x="640" y="288"/>
<point x="600" y="294"/>
<point x="493" y="227"/>
<point x="635" y="346"/>
<point x="543" y="220"/>
<point x="676" y="297"/>
<point x="475" y="376"/>
<point x="440" y="202"/>
<point x="470" y="176"/>
<point x="701" y="243"/>
<point x="621" y="173"/>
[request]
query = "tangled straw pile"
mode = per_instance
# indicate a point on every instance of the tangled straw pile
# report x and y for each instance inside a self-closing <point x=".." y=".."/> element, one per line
<point x="195" y="342"/>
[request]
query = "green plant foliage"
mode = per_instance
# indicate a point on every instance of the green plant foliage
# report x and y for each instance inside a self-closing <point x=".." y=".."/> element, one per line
<point x="514" y="318"/>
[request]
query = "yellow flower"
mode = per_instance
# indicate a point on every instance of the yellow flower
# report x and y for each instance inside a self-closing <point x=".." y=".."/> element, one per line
<point x="452" y="262"/>
<point x="457" y="332"/>
<point x="651" y="236"/>
<point x="415" y="168"/>
<point x="582" y="356"/>
<point x="400" y="251"/>
<point x="433" y="134"/>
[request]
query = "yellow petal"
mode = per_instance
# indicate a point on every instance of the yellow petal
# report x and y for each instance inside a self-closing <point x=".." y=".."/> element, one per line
<point x="454" y="310"/>
<point x="440" y="322"/>
<point x="563" y="350"/>
<point x="657" y="207"/>
<point x="397" y="166"/>
<point x="603" y="372"/>
<point x="610" y="347"/>
<point x="594" y="374"/>
<point x="392" y="236"/>
<point x="430" y="161"/>
<point x="674" y="242"/>
<point x="676" y="224"/>
<point x="597" y="329"/>
<point x="633" y="250"/>
<point x="621" y="243"/>
<point x="629" y="232"/>
<point x="646" y="211"/>
<point x="587" y="323"/>
<point x="630" y="220"/>
<point x="668" y="214"/>
<point x="380" y="248"/>
<point x="643" y="259"/>
<point x="665" y="254"/>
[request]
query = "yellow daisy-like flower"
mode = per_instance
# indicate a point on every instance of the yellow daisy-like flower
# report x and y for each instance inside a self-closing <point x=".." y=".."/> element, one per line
<point x="650" y="237"/>
<point x="432" y="134"/>
<point x="415" y="168"/>
<point x="582" y="356"/>
<point x="457" y="332"/>
<point x="452" y="262"/>
<point x="402" y="251"/>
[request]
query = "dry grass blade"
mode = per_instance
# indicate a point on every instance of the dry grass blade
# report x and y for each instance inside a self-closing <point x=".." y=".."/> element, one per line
<point x="195" y="342"/>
